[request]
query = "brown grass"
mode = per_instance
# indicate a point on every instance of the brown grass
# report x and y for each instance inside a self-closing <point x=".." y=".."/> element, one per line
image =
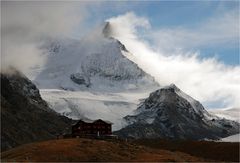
<point x="217" y="151"/>
<point x="66" y="150"/>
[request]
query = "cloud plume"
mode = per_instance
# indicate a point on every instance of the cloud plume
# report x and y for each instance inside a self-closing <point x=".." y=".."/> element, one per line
<point x="211" y="82"/>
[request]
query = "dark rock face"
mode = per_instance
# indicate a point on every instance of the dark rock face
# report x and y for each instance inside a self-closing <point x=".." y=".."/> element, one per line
<point x="25" y="116"/>
<point x="170" y="113"/>
<point x="107" y="30"/>
<point x="121" y="46"/>
<point x="80" y="79"/>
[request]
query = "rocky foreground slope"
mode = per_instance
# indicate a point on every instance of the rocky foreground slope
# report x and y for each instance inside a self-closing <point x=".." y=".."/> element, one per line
<point x="170" y="113"/>
<point x="25" y="116"/>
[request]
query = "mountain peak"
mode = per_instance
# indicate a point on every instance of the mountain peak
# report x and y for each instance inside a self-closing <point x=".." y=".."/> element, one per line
<point x="107" y="30"/>
<point x="95" y="68"/>
<point x="170" y="113"/>
<point x="172" y="87"/>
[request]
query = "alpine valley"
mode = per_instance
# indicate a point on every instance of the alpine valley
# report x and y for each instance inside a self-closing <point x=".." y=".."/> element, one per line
<point x="95" y="78"/>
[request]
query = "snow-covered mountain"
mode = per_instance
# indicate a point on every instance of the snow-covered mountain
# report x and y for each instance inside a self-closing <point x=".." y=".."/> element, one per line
<point x="97" y="64"/>
<point x="92" y="78"/>
<point x="170" y="113"/>
<point x="95" y="78"/>
<point x="232" y="113"/>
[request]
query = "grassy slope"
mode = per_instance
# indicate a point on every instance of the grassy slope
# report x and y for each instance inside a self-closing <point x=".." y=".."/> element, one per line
<point x="218" y="151"/>
<point x="66" y="150"/>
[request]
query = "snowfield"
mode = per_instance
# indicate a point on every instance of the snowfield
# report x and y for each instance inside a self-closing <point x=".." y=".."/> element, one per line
<point x="232" y="114"/>
<point x="233" y="138"/>
<point x="93" y="105"/>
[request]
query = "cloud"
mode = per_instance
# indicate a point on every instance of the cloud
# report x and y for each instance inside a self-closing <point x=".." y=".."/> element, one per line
<point x="25" y="26"/>
<point x="207" y="80"/>
<point x="129" y="24"/>
<point x="220" y="30"/>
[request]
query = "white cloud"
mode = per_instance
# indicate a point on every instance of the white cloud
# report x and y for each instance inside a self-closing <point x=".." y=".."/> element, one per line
<point x="129" y="23"/>
<point x="26" y="24"/>
<point x="206" y="80"/>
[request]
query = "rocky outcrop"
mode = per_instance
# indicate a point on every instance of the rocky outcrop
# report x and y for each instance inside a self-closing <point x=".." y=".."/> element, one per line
<point x="25" y="116"/>
<point x="80" y="79"/>
<point x="170" y="113"/>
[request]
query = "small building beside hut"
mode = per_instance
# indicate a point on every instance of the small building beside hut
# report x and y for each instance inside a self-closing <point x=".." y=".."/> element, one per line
<point x="92" y="128"/>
